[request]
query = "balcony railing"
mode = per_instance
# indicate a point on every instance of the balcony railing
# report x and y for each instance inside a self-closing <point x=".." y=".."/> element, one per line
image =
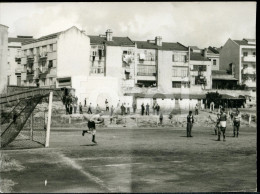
<point x="30" y="56"/>
<point x="248" y="71"/>
<point x="250" y="58"/>
<point x="146" y="70"/>
<point x="97" y="70"/>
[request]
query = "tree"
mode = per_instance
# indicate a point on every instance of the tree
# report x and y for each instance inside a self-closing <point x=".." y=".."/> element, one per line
<point x="213" y="97"/>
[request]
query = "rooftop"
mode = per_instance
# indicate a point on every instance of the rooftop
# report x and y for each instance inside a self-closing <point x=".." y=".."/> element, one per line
<point x="246" y="42"/>
<point x="165" y="46"/>
<point x="116" y="41"/>
<point x="213" y="50"/>
<point x="21" y="39"/>
<point x="198" y="57"/>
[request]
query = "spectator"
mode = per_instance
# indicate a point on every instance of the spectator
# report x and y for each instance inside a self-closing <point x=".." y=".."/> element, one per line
<point x="111" y="114"/>
<point x="122" y="109"/>
<point x="80" y="108"/>
<point x="118" y="104"/>
<point x="142" y="109"/>
<point x="75" y="107"/>
<point x="125" y="108"/>
<point x="128" y="109"/>
<point x="97" y="109"/>
<point x="134" y="107"/>
<point x="154" y="107"/>
<point x="107" y="106"/>
<point x="71" y="107"/>
<point x="158" y="109"/>
<point x="161" y="118"/>
<point x="89" y="109"/>
<point x="85" y="102"/>
<point x="196" y="109"/>
<point x="147" y="109"/>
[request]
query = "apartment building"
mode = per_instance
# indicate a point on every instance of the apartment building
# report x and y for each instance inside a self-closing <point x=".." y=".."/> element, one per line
<point x="3" y="56"/>
<point x="238" y="57"/>
<point x="14" y="65"/>
<point x="55" y="60"/>
<point x="200" y="69"/>
<point x="213" y="55"/>
<point x="111" y="69"/>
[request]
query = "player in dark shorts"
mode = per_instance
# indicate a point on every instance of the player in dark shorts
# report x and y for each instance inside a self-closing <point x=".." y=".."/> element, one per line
<point x="95" y="119"/>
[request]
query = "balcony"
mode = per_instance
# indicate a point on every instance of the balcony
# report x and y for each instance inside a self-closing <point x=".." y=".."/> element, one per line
<point x="43" y="54"/>
<point x="97" y="70"/>
<point x="145" y="70"/>
<point x="249" y="71"/>
<point x="249" y="58"/>
<point x="30" y="56"/>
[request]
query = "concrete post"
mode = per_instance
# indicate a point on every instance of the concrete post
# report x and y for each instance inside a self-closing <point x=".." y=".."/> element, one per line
<point x="31" y="130"/>
<point x="49" y="121"/>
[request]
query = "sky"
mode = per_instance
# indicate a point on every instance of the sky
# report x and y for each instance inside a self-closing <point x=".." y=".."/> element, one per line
<point x="199" y="24"/>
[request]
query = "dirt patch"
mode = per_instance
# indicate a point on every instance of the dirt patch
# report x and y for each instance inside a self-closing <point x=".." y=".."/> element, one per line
<point x="9" y="164"/>
<point x="6" y="185"/>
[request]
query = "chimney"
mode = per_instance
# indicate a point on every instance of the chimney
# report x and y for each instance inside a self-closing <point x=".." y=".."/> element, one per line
<point x="109" y="34"/>
<point x="205" y="52"/>
<point x="158" y="40"/>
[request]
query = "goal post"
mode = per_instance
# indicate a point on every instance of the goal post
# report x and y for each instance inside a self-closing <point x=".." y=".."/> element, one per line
<point x="47" y="142"/>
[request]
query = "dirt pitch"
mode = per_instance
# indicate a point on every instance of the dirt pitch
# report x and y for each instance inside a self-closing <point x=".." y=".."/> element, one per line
<point x="136" y="160"/>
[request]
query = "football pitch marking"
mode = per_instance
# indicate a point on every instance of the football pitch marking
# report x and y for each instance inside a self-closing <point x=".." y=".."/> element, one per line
<point x="76" y="166"/>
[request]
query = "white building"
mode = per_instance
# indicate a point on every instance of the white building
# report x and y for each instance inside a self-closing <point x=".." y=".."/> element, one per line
<point x="14" y="59"/>
<point x="238" y="57"/>
<point x="3" y="56"/>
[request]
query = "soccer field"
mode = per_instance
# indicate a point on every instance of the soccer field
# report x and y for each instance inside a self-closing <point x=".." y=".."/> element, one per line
<point x="137" y="160"/>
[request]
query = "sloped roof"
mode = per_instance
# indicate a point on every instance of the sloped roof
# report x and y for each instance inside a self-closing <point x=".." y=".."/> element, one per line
<point x="244" y="42"/>
<point x="22" y="40"/>
<point x="116" y="41"/>
<point x="213" y="50"/>
<point x="195" y="48"/>
<point x="50" y="36"/>
<point x="198" y="57"/>
<point x="165" y="46"/>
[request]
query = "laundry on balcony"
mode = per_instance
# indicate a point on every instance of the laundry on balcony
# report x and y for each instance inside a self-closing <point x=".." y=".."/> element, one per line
<point x="142" y="56"/>
<point x="127" y="58"/>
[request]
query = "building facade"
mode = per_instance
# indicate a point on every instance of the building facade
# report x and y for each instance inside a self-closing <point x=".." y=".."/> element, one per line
<point x="3" y="57"/>
<point x="14" y="65"/>
<point x="238" y="57"/>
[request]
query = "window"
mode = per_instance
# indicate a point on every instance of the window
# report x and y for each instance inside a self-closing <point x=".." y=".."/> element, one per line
<point x="178" y="58"/>
<point x="94" y="53"/>
<point x="51" y="47"/>
<point x="245" y="66"/>
<point x="184" y="73"/>
<point x="50" y="65"/>
<point x="245" y="54"/>
<point x="254" y="53"/>
<point x="176" y="84"/>
<point x="51" y="81"/>
<point x="199" y="68"/>
<point x="214" y="62"/>
<point x="174" y="72"/>
<point x="37" y="51"/>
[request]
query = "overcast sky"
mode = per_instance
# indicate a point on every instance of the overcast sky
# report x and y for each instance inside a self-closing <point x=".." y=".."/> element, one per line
<point x="191" y="23"/>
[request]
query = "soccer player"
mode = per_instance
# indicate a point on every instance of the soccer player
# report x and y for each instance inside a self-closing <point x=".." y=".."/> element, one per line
<point x="222" y="123"/>
<point x="190" y="121"/>
<point x="95" y="119"/>
<point x="236" y="123"/>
